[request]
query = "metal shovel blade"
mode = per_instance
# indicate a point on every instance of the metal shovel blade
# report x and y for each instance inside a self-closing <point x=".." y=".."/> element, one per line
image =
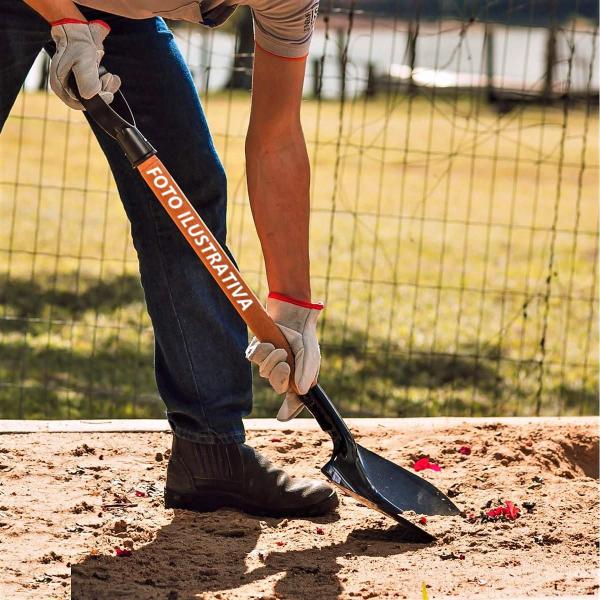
<point x="372" y="479"/>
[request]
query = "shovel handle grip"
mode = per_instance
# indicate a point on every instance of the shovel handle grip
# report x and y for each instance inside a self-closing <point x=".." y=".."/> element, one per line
<point x="135" y="146"/>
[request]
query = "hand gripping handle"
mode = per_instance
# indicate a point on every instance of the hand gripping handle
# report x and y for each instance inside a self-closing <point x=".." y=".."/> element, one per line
<point x="135" y="146"/>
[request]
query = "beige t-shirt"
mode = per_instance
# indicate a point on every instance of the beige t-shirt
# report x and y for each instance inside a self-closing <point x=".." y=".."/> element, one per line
<point x="282" y="27"/>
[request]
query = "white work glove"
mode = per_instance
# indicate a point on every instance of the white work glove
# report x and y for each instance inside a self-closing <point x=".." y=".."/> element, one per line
<point x="298" y="322"/>
<point x="79" y="50"/>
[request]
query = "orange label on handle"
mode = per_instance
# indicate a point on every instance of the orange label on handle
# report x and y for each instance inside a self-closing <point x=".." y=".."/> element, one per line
<point x="197" y="233"/>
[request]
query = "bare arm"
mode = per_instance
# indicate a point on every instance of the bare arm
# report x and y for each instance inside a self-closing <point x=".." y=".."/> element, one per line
<point x="278" y="173"/>
<point x="54" y="10"/>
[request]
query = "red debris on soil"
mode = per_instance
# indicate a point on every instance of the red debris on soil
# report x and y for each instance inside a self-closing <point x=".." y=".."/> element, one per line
<point x="423" y="520"/>
<point x="280" y="543"/>
<point x="140" y="494"/>
<point x="122" y="551"/>
<point x="320" y="531"/>
<point x="423" y="463"/>
<point x="465" y="450"/>
<point x="452" y="556"/>
<point x="275" y="440"/>
<point x="508" y="511"/>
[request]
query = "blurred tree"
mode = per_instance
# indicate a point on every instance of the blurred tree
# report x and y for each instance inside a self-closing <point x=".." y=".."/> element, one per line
<point x="530" y="13"/>
<point x="241" y="71"/>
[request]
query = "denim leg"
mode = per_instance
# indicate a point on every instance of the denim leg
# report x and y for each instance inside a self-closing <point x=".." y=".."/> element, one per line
<point x="23" y="34"/>
<point x="201" y="371"/>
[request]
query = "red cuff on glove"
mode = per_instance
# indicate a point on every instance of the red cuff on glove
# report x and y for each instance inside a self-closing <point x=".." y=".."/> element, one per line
<point x="101" y="22"/>
<point x="80" y="22"/>
<point x="283" y="298"/>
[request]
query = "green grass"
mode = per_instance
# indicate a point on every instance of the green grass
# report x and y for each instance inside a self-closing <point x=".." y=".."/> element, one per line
<point x="433" y="228"/>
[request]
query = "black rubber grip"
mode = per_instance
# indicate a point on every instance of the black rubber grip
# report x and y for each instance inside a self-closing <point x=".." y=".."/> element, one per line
<point x="135" y="146"/>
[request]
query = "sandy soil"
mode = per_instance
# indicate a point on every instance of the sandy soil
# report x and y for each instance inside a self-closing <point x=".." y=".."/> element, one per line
<point x="68" y="500"/>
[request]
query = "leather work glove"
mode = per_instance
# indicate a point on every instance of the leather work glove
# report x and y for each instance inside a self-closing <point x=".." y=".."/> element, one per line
<point x="79" y="50"/>
<point x="298" y="322"/>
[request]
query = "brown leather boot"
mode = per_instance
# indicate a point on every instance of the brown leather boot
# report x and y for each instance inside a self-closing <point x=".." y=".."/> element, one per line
<point x="205" y="477"/>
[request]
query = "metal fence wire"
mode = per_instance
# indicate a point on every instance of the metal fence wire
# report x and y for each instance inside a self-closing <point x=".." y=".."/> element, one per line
<point x="454" y="153"/>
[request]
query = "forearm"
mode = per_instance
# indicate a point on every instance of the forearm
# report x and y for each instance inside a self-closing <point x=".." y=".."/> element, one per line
<point x="54" y="10"/>
<point x="278" y="175"/>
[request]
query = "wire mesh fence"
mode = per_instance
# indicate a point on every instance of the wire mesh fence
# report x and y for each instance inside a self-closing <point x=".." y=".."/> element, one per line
<point x="454" y="155"/>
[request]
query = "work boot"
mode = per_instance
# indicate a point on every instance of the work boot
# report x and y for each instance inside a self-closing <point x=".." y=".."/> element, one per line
<point x="205" y="477"/>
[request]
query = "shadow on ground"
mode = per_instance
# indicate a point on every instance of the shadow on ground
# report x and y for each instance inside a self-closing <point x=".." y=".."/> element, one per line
<point x="67" y="296"/>
<point x="199" y="553"/>
<point x="76" y="347"/>
<point x="111" y="380"/>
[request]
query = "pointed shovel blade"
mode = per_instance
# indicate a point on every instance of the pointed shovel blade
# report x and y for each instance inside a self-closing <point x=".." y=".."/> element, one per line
<point x="372" y="479"/>
<point x="402" y="488"/>
<point x="384" y="486"/>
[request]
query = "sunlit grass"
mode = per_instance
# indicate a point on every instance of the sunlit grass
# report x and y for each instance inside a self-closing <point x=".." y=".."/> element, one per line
<point x="434" y="263"/>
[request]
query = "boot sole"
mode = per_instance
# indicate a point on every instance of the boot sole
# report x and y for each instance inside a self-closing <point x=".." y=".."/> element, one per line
<point x="212" y="501"/>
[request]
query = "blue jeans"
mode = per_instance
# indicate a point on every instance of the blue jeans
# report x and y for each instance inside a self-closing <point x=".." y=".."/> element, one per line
<point x="201" y="372"/>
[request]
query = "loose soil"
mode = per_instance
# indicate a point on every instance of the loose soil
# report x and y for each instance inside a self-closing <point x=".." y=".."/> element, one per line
<point x="67" y="500"/>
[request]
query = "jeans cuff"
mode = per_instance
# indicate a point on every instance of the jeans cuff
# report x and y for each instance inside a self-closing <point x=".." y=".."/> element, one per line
<point x="210" y="437"/>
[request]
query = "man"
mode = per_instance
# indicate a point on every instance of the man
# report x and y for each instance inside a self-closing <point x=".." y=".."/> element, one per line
<point x="201" y="372"/>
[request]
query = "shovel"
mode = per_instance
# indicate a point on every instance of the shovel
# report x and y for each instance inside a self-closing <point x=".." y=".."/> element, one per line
<point x="356" y="471"/>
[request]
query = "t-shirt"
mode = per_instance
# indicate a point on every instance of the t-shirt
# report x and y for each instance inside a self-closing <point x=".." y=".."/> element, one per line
<point x="282" y="27"/>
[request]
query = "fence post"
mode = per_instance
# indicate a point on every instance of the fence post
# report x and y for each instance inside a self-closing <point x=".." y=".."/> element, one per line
<point x="342" y="61"/>
<point x="371" y="88"/>
<point x="489" y="62"/>
<point x="317" y="77"/>
<point x="550" y="52"/>
<point x="413" y="34"/>
<point x="550" y="61"/>
<point x="44" y="71"/>
<point x="241" y="70"/>
<point x="204" y="62"/>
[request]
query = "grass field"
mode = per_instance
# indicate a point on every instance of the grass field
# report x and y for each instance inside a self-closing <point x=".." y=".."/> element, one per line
<point x="455" y="249"/>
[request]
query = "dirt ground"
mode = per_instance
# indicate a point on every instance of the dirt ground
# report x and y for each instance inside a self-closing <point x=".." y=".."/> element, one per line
<point x="68" y="500"/>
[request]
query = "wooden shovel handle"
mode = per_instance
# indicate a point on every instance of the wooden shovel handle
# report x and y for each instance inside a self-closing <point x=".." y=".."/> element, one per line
<point x="214" y="258"/>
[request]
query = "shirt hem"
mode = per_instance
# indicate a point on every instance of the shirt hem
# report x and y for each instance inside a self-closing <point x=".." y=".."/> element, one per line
<point x="290" y="58"/>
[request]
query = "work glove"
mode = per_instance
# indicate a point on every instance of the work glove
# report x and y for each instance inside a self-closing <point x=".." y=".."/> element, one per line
<point x="298" y="322"/>
<point x="79" y="50"/>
